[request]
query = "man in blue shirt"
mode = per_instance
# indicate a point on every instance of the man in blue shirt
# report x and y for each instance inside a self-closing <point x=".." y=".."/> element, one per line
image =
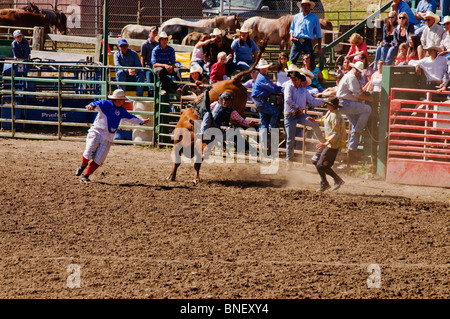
<point x="128" y="58"/>
<point x="146" y="55"/>
<point x="263" y="88"/>
<point x="304" y="28"/>
<point x="422" y="8"/>
<point x="20" y="49"/>
<point x="401" y="6"/>
<point x="163" y="61"/>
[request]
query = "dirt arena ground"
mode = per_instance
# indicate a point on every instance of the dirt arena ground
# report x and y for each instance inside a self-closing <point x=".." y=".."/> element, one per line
<point x="239" y="234"/>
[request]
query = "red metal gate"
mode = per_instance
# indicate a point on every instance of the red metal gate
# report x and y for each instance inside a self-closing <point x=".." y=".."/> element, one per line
<point x="418" y="140"/>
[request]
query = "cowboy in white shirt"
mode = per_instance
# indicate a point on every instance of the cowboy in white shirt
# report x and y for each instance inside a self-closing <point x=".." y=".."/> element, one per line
<point x="434" y="67"/>
<point x="432" y="33"/>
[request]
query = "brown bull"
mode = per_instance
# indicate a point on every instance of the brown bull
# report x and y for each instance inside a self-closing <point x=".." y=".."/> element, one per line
<point x="22" y="18"/>
<point x="184" y="130"/>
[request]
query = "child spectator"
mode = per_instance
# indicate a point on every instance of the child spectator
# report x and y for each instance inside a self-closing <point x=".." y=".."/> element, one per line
<point x="218" y="71"/>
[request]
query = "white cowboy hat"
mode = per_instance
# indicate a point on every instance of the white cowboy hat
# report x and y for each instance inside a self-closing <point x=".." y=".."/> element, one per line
<point x="446" y="19"/>
<point x="431" y="14"/>
<point x="358" y="65"/>
<point x="196" y="68"/>
<point x="163" y="35"/>
<point x="312" y="3"/>
<point x="245" y="30"/>
<point x="118" y="94"/>
<point x="262" y="64"/>
<point x="307" y="73"/>
<point x="434" y="47"/>
<point x="292" y="68"/>
<point x="216" y="32"/>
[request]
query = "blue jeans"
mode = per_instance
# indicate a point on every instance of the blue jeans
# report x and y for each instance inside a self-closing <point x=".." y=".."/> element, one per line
<point x="150" y="79"/>
<point x="269" y="116"/>
<point x="358" y="114"/>
<point x="445" y="7"/>
<point x="300" y="47"/>
<point x="380" y="54"/>
<point x="123" y="76"/>
<point x="243" y="65"/>
<point x="290" y="123"/>
<point x="391" y="55"/>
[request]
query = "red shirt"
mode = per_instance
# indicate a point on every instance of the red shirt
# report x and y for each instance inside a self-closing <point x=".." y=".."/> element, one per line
<point x="217" y="72"/>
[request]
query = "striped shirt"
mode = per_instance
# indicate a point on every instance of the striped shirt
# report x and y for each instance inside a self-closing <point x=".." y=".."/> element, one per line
<point x="166" y="56"/>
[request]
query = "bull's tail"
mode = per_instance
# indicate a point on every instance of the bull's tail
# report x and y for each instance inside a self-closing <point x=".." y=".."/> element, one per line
<point x="262" y="48"/>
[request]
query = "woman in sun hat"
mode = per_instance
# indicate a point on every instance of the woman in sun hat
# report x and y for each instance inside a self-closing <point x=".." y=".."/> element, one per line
<point x="101" y="135"/>
<point x="245" y="49"/>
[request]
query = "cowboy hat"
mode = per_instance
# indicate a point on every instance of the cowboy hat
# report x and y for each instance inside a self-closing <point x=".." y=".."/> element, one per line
<point x="333" y="101"/>
<point x="434" y="47"/>
<point x="217" y="32"/>
<point x="263" y="64"/>
<point x="118" y="94"/>
<point x="312" y="3"/>
<point x="431" y="14"/>
<point x="196" y="68"/>
<point x="292" y="68"/>
<point x="245" y="30"/>
<point x="306" y="72"/>
<point x="358" y="66"/>
<point x="163" y="35"/>
<point x="446" y="20"/>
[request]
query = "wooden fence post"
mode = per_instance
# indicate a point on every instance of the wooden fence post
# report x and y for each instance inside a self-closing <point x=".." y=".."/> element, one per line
<point x="38" y="39"/>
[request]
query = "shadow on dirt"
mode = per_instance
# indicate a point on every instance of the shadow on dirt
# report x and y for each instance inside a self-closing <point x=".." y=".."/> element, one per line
<point x="277" y="183"/>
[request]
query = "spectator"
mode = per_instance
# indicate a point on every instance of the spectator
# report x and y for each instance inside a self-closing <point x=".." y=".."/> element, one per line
<point x="196" y="76"/>
<point x="358" y="46"/>
<point x="445" y="42"/>
<point x="146" y="56"/>
<point x="199" y="52"/>
<point x="304" y="28"/>
<point x="127" y="57"/>
<point x="296" y="99"/>
<point x="421" y="10"/>
<point x="163" y="60"/>
<point x="401" y="6"/>
<point x="245" y="50"/>
<point x="335" y="134"/>
<point x="402" y="57"/>
<point x="262" y="90"/>
<point x="375" y="82"/>
<point x="317" y="79"/>
<point x="445" y="7"/>
<point x="434" y="67"/>
<point x="432" y="33"/>
<point x="349" y="93"/>
<point x="218" y="71"/>
<point x="415" y="50"/>
<point x="220" y="44"/>
<point x="401" y="33"/>
<point x="20" y="46"/>
<point x="282" y="76"/>
<point x="331" y="91"/>
<point x="345" y="67"/>
<point x="365" y="76"/>
<point x="388" y="38"/>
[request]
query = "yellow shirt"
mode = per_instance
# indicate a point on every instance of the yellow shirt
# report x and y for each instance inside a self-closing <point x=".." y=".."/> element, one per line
<point x="335" y="132"/>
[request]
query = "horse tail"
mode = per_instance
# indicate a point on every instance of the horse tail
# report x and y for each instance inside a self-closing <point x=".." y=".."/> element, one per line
<point x="262" y="48"/>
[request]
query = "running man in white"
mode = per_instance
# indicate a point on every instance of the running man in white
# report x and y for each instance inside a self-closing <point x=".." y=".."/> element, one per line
<point x="101" y="134"/>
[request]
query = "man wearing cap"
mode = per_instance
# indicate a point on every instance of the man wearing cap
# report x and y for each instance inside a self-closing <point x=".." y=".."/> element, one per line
<point x="163" y="61"/>
<point x="401" y="6"/>
<point x="434" y="67"/>
<point x="263" y="88"/>
<point x="328" y="149"/>
<point x="296" y="97"/>
<point x="101" y="134"/>
<point x="304" y="28"/>
<point x="349" y="93"/>
<point x="433" y="31"/>
<point x="127" y="57"/>
<point x="146" y="55"/>
<point x="220" y="44"/>
<point x="20" y="46"/>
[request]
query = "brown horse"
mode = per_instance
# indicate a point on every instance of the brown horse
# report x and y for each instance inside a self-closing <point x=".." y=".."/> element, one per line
<point x="276" y="29"/>
<point x="22" y="18"/>
<point x="179" y="28"/>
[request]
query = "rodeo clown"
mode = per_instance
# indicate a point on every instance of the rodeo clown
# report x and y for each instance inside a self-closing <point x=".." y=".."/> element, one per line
<point x="101" y="134"/>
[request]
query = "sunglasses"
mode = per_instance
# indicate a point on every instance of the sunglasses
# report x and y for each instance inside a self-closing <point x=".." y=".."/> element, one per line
<point x="391" y="17"/>
<point x="427" y="20"/>
<point x="403" y="18"/>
